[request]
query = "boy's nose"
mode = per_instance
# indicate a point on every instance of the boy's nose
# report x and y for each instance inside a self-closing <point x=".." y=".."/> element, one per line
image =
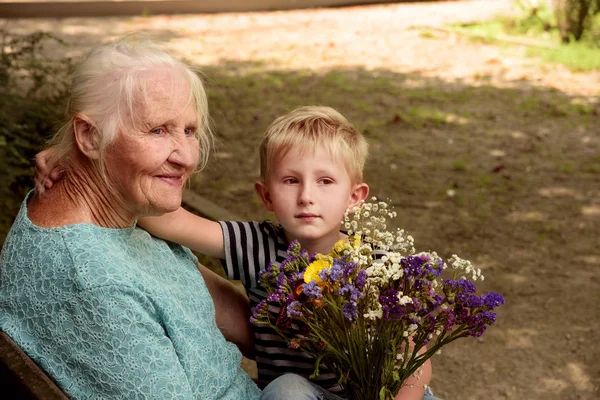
<point x="305" y="197"/>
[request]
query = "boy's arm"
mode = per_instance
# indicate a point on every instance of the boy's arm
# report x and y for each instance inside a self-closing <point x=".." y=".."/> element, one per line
<point x="185" y="228"/>
<point x="414" y="387"/>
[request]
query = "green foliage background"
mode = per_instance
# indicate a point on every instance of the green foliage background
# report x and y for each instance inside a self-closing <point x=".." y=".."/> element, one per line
<point x="34" y="95"/>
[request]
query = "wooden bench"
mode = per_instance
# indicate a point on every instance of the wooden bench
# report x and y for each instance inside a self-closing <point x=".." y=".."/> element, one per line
<point x="21" y="377"/>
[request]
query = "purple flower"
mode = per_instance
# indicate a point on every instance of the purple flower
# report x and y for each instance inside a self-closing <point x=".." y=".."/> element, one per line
<point x="261" y="311"/>
<point x="440" y="267"/>
<point x="275" y="297"/>
<point x="294" y="309"/>
<point x="428" y="323"/>
<point x="263" y="276"/>
<point x="349" y="269"/>
<point x="448" y="317"/>
<point x="413" y="265"/>
<point x="312" y="290"/>
<point x="437" y="300"/>
<point x="469" y="300"/>
<point x="391" y="307"/>
<point x="351" y="292"/>
<point x="361" y="278"/>
<point x="294" y="248"/>
<point x="296" y="277"/>
<point x="336" y="270"/>
<point x="459" y="286"/>
<point x="273" y="269"/>
<point x="479" y="322"/>
<point x="323" y="274"/>
<point x="350" y="310"/>
<point x="288" y="265"/>
<point x="281" y="280"/>
<point x="493" y="300"/>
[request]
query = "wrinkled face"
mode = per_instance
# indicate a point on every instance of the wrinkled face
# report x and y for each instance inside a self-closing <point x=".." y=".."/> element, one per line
<point x="154" y="155"/>
<point x="309" y="193"/>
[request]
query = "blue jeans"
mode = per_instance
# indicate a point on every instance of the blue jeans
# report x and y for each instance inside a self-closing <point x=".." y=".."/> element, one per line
<point x="295" y="387"/>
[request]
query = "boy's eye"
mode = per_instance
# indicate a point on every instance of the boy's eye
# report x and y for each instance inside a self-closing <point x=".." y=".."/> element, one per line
<point x="326" y="181"/>
<point x="290" y="181"/>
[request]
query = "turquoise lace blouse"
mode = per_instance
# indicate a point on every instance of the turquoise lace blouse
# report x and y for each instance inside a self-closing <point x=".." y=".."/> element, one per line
<point x="115" y="313"/>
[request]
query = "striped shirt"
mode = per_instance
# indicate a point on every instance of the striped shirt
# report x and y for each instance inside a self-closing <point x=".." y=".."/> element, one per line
<point x="249" y="248"/>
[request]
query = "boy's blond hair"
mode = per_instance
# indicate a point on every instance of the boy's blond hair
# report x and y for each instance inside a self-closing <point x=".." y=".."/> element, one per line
<point x="309" y="128"/>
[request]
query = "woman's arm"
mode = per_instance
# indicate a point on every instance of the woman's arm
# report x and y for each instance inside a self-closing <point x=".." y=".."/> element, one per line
<point x="187" y="229"/>
<point x="232" y="311"/>
<point x="107" y="342"/>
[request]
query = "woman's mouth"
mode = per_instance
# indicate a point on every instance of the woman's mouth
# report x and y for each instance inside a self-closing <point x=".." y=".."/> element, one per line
<point x="172" y="180"/>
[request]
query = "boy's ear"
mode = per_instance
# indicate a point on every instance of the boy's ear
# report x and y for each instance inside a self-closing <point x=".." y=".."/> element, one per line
<point x="359" y="193"/>
<point x="86" y="136"/>
<point x="263" y="193"/>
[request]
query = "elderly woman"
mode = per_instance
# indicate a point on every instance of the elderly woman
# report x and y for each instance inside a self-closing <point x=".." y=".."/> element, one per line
<point x="103" y="307"/>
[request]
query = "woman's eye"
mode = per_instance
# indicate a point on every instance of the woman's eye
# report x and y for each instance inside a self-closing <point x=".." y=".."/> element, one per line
<point x="157" y="131"/>
<point x="190" y="131"/>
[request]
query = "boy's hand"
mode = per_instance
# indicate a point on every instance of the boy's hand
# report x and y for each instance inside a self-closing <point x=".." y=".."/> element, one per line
<point x="45" y="173"/>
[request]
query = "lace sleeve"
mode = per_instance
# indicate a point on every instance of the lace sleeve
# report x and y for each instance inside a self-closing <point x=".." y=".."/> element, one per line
<point x="110" y="344"/>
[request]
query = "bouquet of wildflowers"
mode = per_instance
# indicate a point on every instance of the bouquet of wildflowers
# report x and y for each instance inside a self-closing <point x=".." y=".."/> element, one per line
<point x="373" y="310"/>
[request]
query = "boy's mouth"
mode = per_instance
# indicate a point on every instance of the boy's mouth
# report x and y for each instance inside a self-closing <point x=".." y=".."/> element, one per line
<point x="306" y="216"/>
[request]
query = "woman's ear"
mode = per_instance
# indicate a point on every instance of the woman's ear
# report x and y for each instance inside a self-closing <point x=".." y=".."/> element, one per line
<point x="359" y="192"/>
<point x="263" y="192"/>
<point x="86" y="136"/>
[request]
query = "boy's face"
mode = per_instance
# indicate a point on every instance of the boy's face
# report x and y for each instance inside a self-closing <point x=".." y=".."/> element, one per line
<point x="309" y="193"/>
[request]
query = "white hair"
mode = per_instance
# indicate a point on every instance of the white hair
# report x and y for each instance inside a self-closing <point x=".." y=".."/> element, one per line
<point x="107" y="84"/>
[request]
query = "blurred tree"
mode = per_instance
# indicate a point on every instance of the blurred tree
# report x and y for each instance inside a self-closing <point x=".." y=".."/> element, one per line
<point x="573" y="17"/>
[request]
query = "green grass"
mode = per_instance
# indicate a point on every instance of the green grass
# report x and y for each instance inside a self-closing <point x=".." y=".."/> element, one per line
<point x="542" y="41"/>
<point x="575" y="56"/>
<point x="459" y="165"/>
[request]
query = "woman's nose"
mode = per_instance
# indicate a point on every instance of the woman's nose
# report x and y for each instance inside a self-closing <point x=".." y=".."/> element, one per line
<point x="184" y="152"/>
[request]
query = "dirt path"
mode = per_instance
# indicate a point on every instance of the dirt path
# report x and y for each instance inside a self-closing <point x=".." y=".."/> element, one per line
<point x="545" y="344"/>
<point x="379" y="36"/>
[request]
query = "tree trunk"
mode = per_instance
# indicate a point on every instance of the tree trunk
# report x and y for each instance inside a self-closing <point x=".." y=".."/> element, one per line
<point x="571" y="18"/>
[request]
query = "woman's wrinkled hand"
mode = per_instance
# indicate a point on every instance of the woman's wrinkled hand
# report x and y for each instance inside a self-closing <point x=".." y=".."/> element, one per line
<point x="46" y="174"/>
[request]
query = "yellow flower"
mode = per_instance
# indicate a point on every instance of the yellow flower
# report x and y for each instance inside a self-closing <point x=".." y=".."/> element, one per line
<point x="312" y="271"/>
<point x="339" y="248"/>
<point x="354" y="240"/>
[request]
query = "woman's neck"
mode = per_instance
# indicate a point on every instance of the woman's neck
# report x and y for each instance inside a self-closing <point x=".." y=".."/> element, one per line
<point x="80" y="196"/>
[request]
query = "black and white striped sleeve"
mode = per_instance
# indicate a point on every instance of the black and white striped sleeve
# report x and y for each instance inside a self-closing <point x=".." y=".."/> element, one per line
<point x="248" y="249"/>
